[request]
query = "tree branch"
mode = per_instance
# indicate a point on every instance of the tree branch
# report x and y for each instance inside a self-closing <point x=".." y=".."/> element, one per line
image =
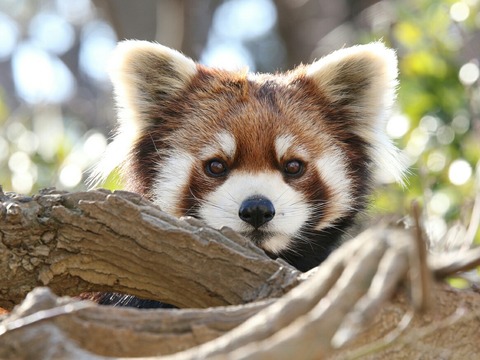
<point x="101" y="241"/>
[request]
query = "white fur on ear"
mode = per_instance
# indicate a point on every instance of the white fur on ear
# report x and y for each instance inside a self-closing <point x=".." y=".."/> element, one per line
<point x="143" y="74"/>
<point x="364" y="74"/>
<point x="363" y="79"/>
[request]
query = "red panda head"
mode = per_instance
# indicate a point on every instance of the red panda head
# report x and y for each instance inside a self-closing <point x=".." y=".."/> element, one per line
<point x="279" y="158"/>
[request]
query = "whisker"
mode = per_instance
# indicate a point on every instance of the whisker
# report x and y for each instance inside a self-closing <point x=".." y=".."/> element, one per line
<point x="227" y="212"/>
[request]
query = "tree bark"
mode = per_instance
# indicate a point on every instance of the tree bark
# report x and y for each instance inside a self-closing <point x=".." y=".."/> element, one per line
<point x="99" y="241"/>
<point x="102" y="241"/>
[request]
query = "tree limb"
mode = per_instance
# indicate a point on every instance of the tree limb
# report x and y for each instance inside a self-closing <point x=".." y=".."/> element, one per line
<point x="99" y="241"/>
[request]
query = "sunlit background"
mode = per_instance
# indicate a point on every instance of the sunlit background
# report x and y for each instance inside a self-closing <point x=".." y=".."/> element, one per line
<point x="56" y="109"/>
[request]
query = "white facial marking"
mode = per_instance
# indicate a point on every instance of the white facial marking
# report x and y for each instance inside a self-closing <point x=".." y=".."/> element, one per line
<point x="173" y="175"/>
<point x="332" y="169"/>
<point x="283" y="143"/>
<point x="227" y="143"/>
<point x="277" y="243"/>
<point x="224" y="142"/>
<point x="291" y="211"/>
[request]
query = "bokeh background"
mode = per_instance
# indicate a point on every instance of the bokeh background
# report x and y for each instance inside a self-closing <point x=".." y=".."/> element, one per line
<point x="56" y="108"/>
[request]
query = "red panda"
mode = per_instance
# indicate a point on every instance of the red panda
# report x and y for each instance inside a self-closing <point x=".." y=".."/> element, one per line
<point x="287" y="160"/>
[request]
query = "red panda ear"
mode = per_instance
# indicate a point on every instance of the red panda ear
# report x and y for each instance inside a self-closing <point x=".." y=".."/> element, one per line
<point x="363" y="80"/>
<point x="144" y="74"/>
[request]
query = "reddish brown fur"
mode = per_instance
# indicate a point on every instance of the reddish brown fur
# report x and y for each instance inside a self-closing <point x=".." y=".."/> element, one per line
<point x="256" y="112"/>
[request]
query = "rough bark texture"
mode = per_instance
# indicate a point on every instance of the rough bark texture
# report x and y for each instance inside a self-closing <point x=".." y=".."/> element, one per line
<point x="450" y="329"/>
<point x="98" y="241"/>
<point x="103" y="241"/>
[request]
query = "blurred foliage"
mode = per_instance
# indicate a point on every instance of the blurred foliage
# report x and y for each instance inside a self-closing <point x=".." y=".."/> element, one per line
<point x="440" y="98"/>
<point x="51" y="93"/>
<point x="44" y="148"/>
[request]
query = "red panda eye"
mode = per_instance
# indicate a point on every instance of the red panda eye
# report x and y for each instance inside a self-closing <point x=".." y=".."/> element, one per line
<point x="294" y="168"/>
<point x="216" y="168"/>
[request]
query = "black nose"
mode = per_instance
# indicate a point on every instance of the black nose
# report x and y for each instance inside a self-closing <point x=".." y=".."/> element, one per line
<point x="256" y="211"/>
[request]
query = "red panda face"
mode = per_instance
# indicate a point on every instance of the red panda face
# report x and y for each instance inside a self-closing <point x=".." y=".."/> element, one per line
<point x="246" y="157"/>
<point x="285" y="159"/>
